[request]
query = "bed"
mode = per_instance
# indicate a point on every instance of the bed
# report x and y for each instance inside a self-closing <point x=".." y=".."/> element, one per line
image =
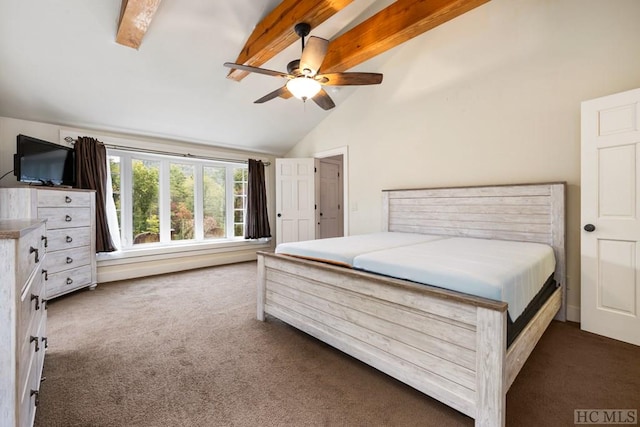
<point x="449" y="345"/>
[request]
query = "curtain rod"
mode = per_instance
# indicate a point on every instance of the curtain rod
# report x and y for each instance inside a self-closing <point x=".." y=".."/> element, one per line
<point x="167" y="153"/>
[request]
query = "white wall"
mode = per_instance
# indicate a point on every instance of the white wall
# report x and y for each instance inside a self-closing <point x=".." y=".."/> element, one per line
<point x="491" y="97"/>
<point x="141" y="263"/>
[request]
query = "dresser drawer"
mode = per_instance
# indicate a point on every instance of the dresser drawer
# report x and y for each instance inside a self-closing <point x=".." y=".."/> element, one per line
<point x="30" y="253"/>
<point x="30" y="388"/>
<point x="66" y="281"/>
<point x="66" y="260"/>
<point x="27" y="401"/>
<point x="66" y="238"/>
<point x="42" y="333"/>
<point x="31" y="349"/>
<point x="65" y="217"/>
<point x="31" y="305"/>
<point x="59" y="198"/>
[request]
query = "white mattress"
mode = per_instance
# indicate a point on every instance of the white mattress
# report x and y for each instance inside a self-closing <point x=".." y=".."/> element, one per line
<point x="342" y="250"/>
<point x="512" y="272"/>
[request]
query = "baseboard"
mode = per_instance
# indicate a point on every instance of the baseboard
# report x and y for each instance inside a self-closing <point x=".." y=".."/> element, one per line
<point x="111" y="273"/>
<point x="573" y="313"/>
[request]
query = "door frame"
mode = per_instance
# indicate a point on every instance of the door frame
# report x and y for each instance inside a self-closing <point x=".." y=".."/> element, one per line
<point x="322" y="164"/>
<point x="344" y="152"/>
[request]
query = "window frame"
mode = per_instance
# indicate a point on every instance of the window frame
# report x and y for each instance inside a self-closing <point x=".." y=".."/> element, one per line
<point x="164" y="199"/>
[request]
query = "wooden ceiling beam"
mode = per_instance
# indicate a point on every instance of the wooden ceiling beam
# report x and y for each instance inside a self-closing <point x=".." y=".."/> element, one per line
<point x="275" y="32"/>
<point x="394" y="25"/>
<point x="135" y="18"/>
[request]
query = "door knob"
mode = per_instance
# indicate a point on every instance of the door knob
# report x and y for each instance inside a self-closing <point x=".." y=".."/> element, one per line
<point x="279" y="215"/>
<point x="589" y="228"/>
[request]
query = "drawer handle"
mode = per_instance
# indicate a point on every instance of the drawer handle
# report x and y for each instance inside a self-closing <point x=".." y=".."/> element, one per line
<point x="69" y="280"/>
<point x="32" y="250"/>
<point x="67" y="199"/>
<point x="45" y="341"/>
<point x="69" y="239"/>
<point x="46" y="274"/>
<point x="35" y="339"/>
<point x="37" y="298"/>
<point x="36" y="393"/>
<point x="67" y="218"/>
<point x="69" y="260"/>
<point x="44" y="304"/>
<point x="46" y="242"/>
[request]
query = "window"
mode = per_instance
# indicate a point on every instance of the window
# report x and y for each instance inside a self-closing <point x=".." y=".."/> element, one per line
<point x="240" y="178"/>
<point x="181" y="184"/>
<point x="165" y="199"/>
<point x="146" y="201"/>
<point x="214" y="210"/>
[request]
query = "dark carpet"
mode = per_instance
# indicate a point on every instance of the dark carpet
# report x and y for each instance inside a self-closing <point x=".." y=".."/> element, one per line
<point x="185" y="349"/>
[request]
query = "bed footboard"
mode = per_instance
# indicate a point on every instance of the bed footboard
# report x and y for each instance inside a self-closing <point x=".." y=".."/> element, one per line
<point x="447" y="345"/>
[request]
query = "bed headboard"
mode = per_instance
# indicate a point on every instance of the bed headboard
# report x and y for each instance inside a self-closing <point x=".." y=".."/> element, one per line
<point x="523" y="212"/>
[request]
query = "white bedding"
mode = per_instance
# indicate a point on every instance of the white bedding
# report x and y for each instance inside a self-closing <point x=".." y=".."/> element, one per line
<point x="512" y="272"/>
<point x="342" y="250"/>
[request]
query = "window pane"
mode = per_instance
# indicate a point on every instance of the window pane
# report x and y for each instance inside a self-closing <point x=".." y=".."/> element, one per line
<point x="214" y="202"/>
<point x="182" y="195"/>
<point x="237" y="202"/>
<point x="146" y="185"/>
<point x="114" y="166"/>
<point x="240" y="176"/>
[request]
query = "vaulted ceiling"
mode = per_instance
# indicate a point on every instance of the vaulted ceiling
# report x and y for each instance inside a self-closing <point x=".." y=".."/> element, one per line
<point x="152" y="67"/>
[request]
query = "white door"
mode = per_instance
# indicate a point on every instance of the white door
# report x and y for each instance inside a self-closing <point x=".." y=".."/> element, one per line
<point x="330" y="199"/>
<point x="610" y="291"/>
<point x="295" y="200"/>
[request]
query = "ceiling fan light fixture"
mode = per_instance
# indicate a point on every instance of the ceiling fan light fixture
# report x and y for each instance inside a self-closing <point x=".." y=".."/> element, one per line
<point x="303" y="87"/>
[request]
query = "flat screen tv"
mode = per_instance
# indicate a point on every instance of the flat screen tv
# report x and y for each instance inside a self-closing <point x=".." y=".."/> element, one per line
<point x="42" y="162"/>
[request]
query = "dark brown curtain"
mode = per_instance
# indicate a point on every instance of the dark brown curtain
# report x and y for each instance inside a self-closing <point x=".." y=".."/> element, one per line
<point x="257" y="221"/>
<point x="91" y="174"/>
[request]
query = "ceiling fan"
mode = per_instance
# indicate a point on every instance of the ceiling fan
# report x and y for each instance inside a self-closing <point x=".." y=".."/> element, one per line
<point x="304" y="78"/>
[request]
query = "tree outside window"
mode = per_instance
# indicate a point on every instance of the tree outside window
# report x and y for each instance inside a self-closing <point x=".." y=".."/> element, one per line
<point x="146" y="188"/>
<point x="214" y="202"/>
<point x="181" y="185"/>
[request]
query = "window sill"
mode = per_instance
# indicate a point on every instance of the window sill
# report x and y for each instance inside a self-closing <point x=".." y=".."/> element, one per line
<point x="162" y="251"/>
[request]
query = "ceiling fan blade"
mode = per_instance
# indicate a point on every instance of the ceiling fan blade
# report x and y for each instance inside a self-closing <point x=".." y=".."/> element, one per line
<point x="282" y="92"/>
<point x="323" y="99"/>
<point x="313" y="54"/>
<point x="349" y="79"/>
<point x="286" y="94"/>
<point x="256" y="70"/>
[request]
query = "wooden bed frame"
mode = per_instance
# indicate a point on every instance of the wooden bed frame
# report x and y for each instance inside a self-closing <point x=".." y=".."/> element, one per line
<point x="448" y="345"/>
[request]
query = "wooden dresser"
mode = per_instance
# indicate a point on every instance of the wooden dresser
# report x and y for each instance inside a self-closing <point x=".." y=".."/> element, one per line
<point x="70" y="215"/>
<point x="22" y="319"/>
